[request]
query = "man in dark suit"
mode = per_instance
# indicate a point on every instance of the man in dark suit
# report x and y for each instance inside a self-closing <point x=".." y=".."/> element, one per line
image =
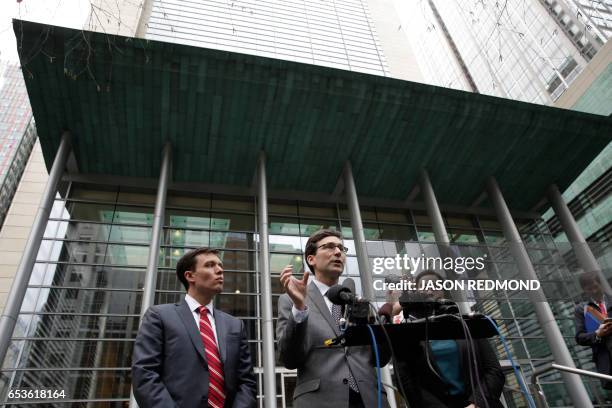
<point x="334" y="377"/>
<point x="189" y="354"/>
<point x="599" y="339"/>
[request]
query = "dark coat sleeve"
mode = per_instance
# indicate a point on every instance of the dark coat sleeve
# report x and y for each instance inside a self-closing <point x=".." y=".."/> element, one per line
<point x="246" y="396"/>
<point x="582" y="336"/>
<point x="410" y="371"/>
<point x="147" y="361"/>
<point x="491" y="375"/>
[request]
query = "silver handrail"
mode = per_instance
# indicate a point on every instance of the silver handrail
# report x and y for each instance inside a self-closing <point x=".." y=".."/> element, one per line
<point x="537" y="391"/>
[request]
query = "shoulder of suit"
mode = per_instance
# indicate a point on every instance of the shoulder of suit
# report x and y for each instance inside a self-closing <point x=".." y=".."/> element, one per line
<point x="219" y="313"/>
<point x="164" y="307"/>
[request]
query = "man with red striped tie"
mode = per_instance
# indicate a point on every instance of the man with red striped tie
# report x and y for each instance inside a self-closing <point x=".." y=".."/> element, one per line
<point x="190" y="354"/>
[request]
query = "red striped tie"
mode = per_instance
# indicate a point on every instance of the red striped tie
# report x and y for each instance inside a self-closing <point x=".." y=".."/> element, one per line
<point x="216" y="393"/>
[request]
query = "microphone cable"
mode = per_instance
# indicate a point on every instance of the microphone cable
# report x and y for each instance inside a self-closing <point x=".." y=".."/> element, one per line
<point x="427" y="350"/>
<point x="401" y="390"/>
<point x="378" y="374"/>
<point x="471" y="346"/>
<point x="517" y="374"/>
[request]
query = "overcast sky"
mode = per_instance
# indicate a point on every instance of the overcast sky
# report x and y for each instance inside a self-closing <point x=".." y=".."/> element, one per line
<point x="67" y="13"/>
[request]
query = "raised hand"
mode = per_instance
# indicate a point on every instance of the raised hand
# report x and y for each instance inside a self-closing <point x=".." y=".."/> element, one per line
<point x="295" y="288"/>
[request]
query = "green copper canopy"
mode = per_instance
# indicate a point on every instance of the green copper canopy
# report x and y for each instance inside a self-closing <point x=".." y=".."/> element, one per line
<point x="122" y="98"/>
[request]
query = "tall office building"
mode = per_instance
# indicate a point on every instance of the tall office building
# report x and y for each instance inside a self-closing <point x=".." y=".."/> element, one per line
<point x="17" y="132"/>
<point x="356" y="35"/>
<point x="220" y="107"/>
<point x="523" y="50"/>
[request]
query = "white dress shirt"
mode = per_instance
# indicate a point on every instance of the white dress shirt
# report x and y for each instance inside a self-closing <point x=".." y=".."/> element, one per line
<point x="194" y="306"/>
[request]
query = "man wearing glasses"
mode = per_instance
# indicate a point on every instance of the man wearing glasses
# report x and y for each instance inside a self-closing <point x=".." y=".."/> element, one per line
<point x="327" y="376"/>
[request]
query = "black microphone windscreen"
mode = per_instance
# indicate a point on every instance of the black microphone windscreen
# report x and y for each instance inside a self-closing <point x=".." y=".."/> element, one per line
<point x="337" y="294"/>
<point x="349" y="283"/>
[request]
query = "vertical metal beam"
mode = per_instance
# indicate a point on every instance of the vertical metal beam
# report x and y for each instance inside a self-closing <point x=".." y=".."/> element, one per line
<point x="24" y="270"/>
<point x="546" y="319"/>
<point x="439" y="229"/>
<point x="585" y="257"/>
<point x="150" y="283"/>
<point x="365" y="274"/>
<point x="269" y="376"/>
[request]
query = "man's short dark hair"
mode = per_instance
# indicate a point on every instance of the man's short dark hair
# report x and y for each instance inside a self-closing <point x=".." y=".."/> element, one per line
<point x="427" y="272"/>
<point x="188" y="263"/>
<point x="587" y="277"/>
<point x="311" y="244"/>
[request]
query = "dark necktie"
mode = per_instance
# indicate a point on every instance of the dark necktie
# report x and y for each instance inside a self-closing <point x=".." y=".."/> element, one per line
<point x="336" y="314"/>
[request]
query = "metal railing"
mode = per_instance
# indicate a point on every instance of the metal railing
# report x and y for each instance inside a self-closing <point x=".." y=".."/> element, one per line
<point x="537" y="393"/>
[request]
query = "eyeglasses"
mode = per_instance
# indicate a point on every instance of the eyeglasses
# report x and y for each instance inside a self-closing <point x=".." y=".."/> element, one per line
<point x="330" y="246"/>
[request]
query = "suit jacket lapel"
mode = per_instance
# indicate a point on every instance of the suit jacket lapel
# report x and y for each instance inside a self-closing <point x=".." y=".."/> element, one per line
<point x="182" y="309"/>
<point x="220" y="325"/>
<point x="317" y="300"/>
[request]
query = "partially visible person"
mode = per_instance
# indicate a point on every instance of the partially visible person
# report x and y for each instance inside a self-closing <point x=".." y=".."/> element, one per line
<point x="190" y="354"/>
<point x="391" y="310"/>
<point x="593" y="327"/>
<point x="447" y="382"/>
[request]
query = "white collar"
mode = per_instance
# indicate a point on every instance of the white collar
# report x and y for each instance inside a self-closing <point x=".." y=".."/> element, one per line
<point x="194" y="304"/>
<point x="323" y="288"/>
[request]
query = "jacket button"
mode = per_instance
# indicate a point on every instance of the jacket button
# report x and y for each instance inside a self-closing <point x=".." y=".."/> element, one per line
<point x="344" y="381"/>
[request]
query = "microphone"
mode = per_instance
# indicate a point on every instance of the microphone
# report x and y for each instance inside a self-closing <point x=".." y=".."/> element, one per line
<point x="340" y="295"/>
<point x="448" y="306"/>
<point x="385" y="313"/>
<point x="350" y="283"/>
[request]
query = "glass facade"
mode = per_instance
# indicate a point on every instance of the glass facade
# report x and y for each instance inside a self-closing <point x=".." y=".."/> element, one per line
<point x="17" y="132"/>
<point x="80" y="315"/>
<point x="595" y="16"/>
<point x="513" y="49"/>
<point x="337" y="34"/>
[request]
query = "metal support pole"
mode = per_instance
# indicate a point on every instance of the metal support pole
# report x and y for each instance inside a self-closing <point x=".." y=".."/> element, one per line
<point x="150" y="283"/>
<point x="365" y="274"/>
<point x="585" y="257"/>
<point x="439" y="229"/>
<point x="8" y="320"/>
<point x="546" y="319"/>
<point x="269" y="376"/>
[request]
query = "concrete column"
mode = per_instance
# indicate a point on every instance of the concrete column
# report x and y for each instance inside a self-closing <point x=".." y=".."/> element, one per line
<point x="585" y="257"/>
<point x="440" y="233"/>
<point x="269" y="375"/>
<point x="365" y="274"/>
<point x="150" y="283"/>
<point x="560" y="352"/>
<point x="24" y="271"/>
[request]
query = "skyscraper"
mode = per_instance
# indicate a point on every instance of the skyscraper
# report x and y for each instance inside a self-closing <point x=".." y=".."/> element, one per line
<point x="356" y="35"/>
<point x="525" y="50"/>
<point x="17" y="132"/>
